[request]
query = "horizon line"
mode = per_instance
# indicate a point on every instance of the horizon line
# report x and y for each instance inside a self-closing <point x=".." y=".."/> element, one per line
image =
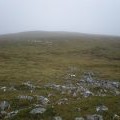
<point x="75" y="32"/>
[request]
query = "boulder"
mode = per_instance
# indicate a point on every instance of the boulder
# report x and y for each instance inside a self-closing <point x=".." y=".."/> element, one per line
<point x="4" y="105"/>
<point x="94" y="117"/>
<point x="88" y="77"/>
<point x="29" y="84"/>
<point x="25" y="97"/>
<point x="116" y="117"/>
<point x="43" y="100"/>
<point x="12" y="114"/>
<point x="12" y="88"/>
<point x="57" y="118"/>
<point x="4" y="88"/>
<point x="2" y="114"/>
<point x="39" y="110"/>
<point x="62" y="101"/>
<point x="79" y="118"/>
<point x="87" y="93"/>
<point x="101" y="108"/>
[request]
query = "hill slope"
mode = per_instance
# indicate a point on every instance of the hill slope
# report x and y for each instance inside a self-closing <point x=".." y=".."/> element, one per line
<point x="75" y="72"/>
<point x="31" y="35"/>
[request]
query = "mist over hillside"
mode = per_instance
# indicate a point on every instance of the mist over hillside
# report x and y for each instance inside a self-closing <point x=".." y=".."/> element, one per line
<point x="54" y="35"/>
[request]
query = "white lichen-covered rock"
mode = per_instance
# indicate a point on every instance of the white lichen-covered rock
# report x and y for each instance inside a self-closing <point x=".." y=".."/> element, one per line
<point x="79" y="118"/>
<point x="101" y="108"/>
<point x="74" y="94"/>
<point x="116" y="117"/>
<point x="72" y="75"/>
<point x="105" y="87"/>
<point x="117" y="92"/>
<point x="29" y="84"/>
<point x="4" y="88"/>
<point x="25" y="97"/>
<point x="12" y="88"/>
<point x="4" y="105"/>
<point x="88" y="77"/>
<point x="3" y="113"/>
<point x="57" y="118"/>
<point x="87" y="93"/>
<point x="43" y="100"/>
<point x="12" y="114"/>
<point x="62" y="101"/>
<point x="94" y="117"/>
<point x="39" y="110"/>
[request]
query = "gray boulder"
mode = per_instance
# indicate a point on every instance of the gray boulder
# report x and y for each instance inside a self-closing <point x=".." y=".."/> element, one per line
<point x="29" y="84"/>
<point x="57" y="118"/>
<point x="101" y="108"/>
<point x="88" y="77"/>
<point x="25" y="97"/>
<point x="116" y="117"/>
<point x="12" y="88"/>
<point x="12" y="114"/>
<point x="94" y="117"/>
<point x="79" y="118"/>
<point x="39" y="110"/>
<point x="62" y="101"/>
<point x="43" y="100"/>
<point x="87" y="93"/>
<point x="4" y="105"/>
<point x="4" y="88"/>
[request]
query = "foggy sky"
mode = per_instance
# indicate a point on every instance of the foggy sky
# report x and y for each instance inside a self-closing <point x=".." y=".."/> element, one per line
<point x="85" y="16"/>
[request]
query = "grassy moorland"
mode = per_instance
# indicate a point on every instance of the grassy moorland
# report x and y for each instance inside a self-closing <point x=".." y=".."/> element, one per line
<point x="43" y="60"/>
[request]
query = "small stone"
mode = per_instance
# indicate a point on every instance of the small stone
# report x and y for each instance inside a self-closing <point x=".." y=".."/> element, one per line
<point x="74" y="94"/>
<point x="57" y="118"/>
<point x="87" y="93"/>
<point x="72" y="75"/>
<point x="78" y="109"/>
<point x="62" y="101"/>
<point x="4" y="105"/>
<point x="38" y="111"/>
<point x="3" y="88"/>
<point x="50" y="95"/>
<point x="31" y="91"/>
<point x="101" y="108"/>
<point x="12" y="114"/>
<point x="94" y="117"/>
<point x="25" y="97"/>
<point x="12" y="89"/>
<point x="29" y="84"/>
<point x="79" y="118"/>
<point x="117" y="92"/>
<point x="43" y="100"/>
<point x="116" y="117"/>
<point x="3" y="112"/>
